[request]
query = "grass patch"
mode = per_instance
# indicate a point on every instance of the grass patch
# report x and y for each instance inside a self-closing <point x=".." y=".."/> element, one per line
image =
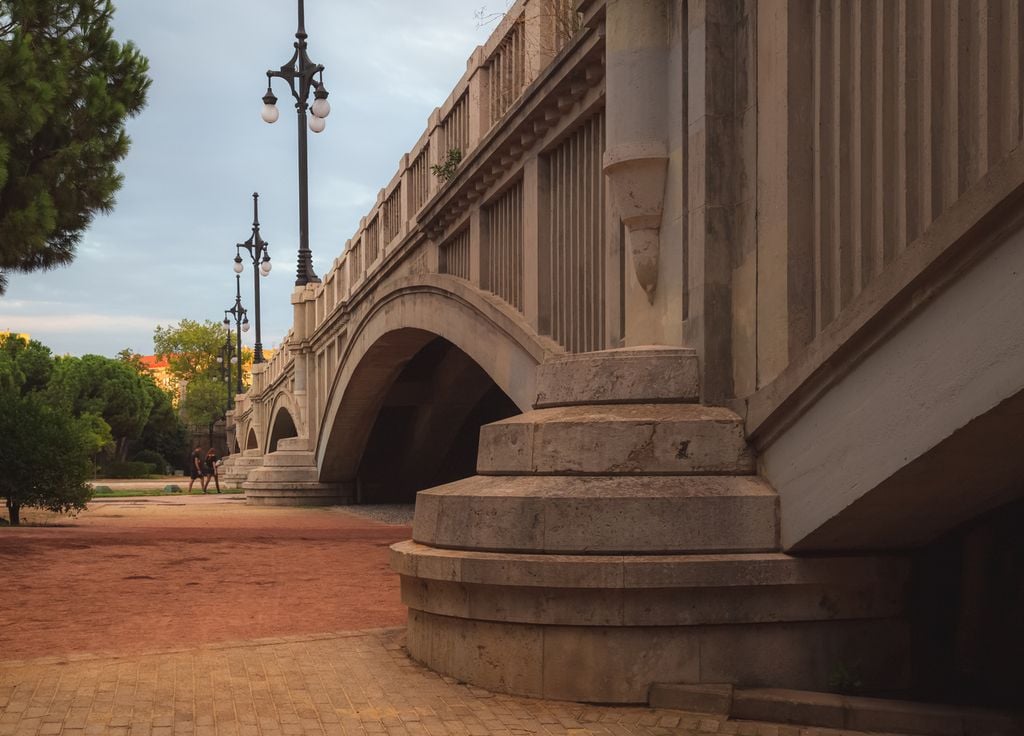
<point x="138" y="492"/>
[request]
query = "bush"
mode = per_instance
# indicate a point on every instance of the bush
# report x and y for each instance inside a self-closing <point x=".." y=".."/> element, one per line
<point x="152" y="457"/>
<point x="129" y="469"/>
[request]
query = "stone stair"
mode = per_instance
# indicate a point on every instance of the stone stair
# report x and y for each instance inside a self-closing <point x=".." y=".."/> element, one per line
<point x="236" y="468"/>
<point x="618" y="536"/>
<point x="289" y="477"/>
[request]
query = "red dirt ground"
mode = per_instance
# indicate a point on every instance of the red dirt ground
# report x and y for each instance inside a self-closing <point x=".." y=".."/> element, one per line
<point x="140" y="575"/>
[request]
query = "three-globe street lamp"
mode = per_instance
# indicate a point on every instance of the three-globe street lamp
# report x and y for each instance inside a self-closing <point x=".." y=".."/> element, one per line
<point x="257" y="248"/>
<point x="299" y="72"/>
<point x="241" y="325"/>
<point x="227" y="358"/>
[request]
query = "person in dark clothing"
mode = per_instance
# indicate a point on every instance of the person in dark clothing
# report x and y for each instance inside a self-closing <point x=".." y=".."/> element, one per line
<point x="210" y="470"/>
<point x="195" y="468"/>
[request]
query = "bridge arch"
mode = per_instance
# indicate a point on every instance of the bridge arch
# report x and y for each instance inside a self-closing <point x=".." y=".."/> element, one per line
<point x="251" y="440"/>
<point x="402" y="322"/>
<point x="283" y="423"/>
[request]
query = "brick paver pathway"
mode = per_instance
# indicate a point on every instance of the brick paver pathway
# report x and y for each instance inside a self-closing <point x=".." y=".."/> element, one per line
<point x="353" y="684"/>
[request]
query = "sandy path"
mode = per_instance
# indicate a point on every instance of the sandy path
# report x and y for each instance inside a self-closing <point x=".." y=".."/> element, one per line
<point x="138" y="575"/>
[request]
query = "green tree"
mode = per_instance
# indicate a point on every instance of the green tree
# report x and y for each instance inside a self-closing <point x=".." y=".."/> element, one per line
<point x="27" y="364"/>
<point x="66" y="90"/>
<point x="163" y="433"/>
<point x="107" y="388"/>
<point x="204" y="402"/>
<point x="190" y="348"/>
<point x="45" y="456"/>
<point x="44" y="451"/>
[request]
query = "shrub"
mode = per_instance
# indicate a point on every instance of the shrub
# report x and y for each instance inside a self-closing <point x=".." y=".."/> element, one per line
<point x="152" y="457"/>
<point x="129" y="469"/>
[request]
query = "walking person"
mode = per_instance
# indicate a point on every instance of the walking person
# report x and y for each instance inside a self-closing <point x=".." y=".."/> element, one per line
<point x="195" y="468"/>
<point x="210" y="470"/>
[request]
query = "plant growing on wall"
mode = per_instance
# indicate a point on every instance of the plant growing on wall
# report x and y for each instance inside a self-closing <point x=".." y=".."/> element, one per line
<point x="447" y="168"/>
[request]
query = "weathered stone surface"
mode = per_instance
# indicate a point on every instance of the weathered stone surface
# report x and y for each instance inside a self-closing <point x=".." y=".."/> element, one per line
<point x="809" y="708"/>
<point x="292" y="480"/>
<point x="628" y="375"/>
<point x="789" y="706"/>
<point x="693" y="698"/>
<point x="644" y="591"/>
<point x="289" y="458"/>
<point x="599" y="515"/>
<point x="617" y="440"/>
<point x="618" y="664"/>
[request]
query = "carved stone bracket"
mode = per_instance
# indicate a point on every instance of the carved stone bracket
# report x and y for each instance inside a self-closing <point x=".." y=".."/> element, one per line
<point x="636" y="177"/>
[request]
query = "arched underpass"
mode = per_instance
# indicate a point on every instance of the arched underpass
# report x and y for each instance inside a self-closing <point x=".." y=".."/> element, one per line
<point x="427" y="429"/>
<point x="284" y="427"/>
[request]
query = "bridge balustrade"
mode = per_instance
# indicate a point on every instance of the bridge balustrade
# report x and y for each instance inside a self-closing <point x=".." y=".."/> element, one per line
<point x="506" y="249"/>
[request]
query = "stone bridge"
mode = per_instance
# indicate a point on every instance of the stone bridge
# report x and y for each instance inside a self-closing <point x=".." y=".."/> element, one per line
<point x="709" y="351"/>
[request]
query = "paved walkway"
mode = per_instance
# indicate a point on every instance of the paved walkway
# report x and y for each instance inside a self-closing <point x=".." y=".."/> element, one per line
<point x="354" y="684"/>
<point x="196" y="574"/>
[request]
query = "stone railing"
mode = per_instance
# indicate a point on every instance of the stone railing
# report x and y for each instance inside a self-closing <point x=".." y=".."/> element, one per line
<point x="529" y="37"/>
<point x="527" y="120"/>
<point x="265" y="375"/>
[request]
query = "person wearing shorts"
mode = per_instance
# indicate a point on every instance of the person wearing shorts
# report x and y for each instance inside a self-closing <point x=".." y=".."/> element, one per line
<point x="210" y="470"/>
<point x="195" y="468"/>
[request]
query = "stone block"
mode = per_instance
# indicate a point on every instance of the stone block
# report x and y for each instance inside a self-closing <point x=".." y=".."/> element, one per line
<point x="627" y="439"/>
<point x="627" y="375"/>
<point x="804" y="655"/>
<point x="477" y="652"/>
<point x="789" y="706"/>
<point x="695" y="698"/>
<point x="614" y="664"/>
<point x="894" y="716"/>
<point x="599" y="514"/>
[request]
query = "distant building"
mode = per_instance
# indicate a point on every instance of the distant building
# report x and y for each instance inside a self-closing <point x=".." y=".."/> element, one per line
<point x="159" y="368"/>
<point x="4" y="334"/>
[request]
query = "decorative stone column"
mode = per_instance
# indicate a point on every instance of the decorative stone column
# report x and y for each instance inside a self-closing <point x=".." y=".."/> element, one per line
<point x="636" y="155"/>
<point x="289" y="476"/>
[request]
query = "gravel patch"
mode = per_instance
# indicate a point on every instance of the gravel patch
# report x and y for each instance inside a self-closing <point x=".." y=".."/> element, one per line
<point x="392" y="513"/>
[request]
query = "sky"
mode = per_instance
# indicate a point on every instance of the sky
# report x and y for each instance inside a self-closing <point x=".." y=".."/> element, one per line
<point x="199" y="151"/>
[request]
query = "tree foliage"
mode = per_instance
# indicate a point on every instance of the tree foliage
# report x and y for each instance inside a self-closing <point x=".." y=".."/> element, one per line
<point x="24" y="365"/>
<point x="45" y="456"/>
<point x="66" y="90"/>
<point x="190" y="348"/>
<point x="107" y="388"/>
<point x="163" y="432"/>
<point x="205" y="401"/>
<point x="45" y="451"/>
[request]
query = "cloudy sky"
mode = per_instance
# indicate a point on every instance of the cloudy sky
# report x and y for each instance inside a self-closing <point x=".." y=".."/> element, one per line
<point x="200" y="150"/>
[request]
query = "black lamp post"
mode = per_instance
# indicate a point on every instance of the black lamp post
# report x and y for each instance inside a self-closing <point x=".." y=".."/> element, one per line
<point x="241" y="325"/>
<point x="257" y="248"/>
<point x="226" y="360"/>
<point x="299" y="72"/>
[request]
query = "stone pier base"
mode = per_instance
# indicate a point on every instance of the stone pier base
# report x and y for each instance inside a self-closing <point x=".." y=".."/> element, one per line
<point x="289" y="477"/>
<point x="618" y="536"/>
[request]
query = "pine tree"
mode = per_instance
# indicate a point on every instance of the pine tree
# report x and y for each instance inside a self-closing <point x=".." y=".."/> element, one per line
<point x="66" y="89"/>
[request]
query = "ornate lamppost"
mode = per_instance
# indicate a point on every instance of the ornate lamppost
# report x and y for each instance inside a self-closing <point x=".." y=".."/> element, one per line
<point x="241" y="325"/>
<point x="299" y="72"/>
<point x="257" y="249"/>
<point x="227" y="358"/>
